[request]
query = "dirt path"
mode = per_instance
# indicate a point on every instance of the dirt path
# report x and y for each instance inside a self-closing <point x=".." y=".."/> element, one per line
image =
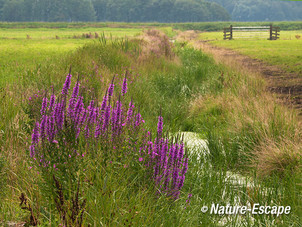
<point x="287" y="86"/>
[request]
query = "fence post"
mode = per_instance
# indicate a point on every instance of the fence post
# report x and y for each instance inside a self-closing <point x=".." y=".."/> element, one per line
<point x="271" y="32"/>
<point x="231" y="32"/>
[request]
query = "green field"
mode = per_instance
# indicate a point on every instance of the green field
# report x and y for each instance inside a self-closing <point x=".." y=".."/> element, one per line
<point x="285" y="52"/>
<point x="51" y="33"/>
<point x="18" y="53"/>
<point x="254" y="144"/>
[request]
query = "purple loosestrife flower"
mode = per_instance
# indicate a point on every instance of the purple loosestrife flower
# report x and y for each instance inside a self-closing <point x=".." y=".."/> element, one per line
<point x="164" y="153"/>
<point x="43" y="127"/>
<point x="113" y="117"/>
<point x="180" y="154"/>
<point x="87" y="131"/>
<point x="185" y="167"/>
<point x="71" y="111"/>
<point x="175" y="177"/>
<point x="160" y="126"/>
<point x="167" y="179"/>
<point x="175" y="156"/>
<point x="81" y="122"/>
<point x="78" y="109"/>
<point x="52" y="103"/>
<point x="83" y="118"/>
<point x="66" y="85"/>
<point x="95" y="114"/>
<point x="104" y="102"/>
<point x="44" y="106"/>
<point x="51" y="128"/>
<point x="118" y="112"/>
<point x="138" y="119"/>
<point x="59" y="115"/>
<point x="106" y="118"/>
<point x="35" y="135"/>
<point x="124" y="87"/>
<point x="150" y="149"/>
<point x="130" y="112"/>
<point x="97" y="132"/>
<point x="75" y="90"/>
<point x="171" y="155"/>
<point x="91" y="112"/>
<point x="110" y="90"/>
<point x="181" y="181"/>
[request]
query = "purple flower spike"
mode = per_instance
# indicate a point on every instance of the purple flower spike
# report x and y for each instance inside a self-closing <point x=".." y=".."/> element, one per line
<point x="130" y="111"/>
<point x="106" y="118"/>
<point x="51" y="128"/>
<point x="78" y="109"/>
<point x="43" y="127"/>
<point x="160" y="126"/>
<point x="35" y="135"/>
<point x="66" y="85"/>
<point x="124" y="87"/>
<point x="52" y="103"/>
<point x="59" y="115"/>
<point x="91" y="112"/>
<point x="104" y="103"/>
<point x="75" y="90"/>
<point x="110" y="90"/>
<point x="72" y="101"/>
<point x="44" y="106"/>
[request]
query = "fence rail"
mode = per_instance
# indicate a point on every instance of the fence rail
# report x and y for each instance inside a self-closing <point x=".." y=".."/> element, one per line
<point x="272" y="31"/>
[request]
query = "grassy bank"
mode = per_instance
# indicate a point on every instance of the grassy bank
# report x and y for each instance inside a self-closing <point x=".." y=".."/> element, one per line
<point x="284" y="52"/>
<point x="186" y="87"/>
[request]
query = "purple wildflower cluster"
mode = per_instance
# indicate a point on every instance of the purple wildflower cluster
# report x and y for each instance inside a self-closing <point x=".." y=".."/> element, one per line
<point x="168" y="162"/>
<point x="65" y="121"/>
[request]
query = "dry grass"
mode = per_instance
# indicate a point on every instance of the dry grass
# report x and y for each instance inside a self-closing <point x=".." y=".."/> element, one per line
<point x="278" y="157"/>
<point x="155" y="43"/>
<point x="187" y="35"/>
<point x="248" y="109"/>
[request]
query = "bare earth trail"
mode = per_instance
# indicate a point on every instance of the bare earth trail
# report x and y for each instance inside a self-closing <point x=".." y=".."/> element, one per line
<point x="287" y="86"/>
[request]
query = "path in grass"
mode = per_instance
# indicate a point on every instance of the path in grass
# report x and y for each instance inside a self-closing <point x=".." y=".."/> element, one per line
<point x="288" y="86"/>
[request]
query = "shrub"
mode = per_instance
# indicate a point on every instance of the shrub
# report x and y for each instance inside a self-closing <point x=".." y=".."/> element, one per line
<point x="69" y="130"/>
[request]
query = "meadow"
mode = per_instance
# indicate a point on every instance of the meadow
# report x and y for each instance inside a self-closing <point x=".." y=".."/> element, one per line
<point x="158" y="90"/>
<point x="284" y="52"/>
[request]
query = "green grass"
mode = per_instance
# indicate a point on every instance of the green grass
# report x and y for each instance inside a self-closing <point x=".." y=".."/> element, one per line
<point x="51" y="33"/>
<point x="285" y="52"/>
<point x="19" y="56"/>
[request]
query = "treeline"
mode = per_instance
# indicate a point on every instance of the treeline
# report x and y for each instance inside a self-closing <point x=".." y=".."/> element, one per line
<point x="112" y="10"/>
<point x="262" y="10"/>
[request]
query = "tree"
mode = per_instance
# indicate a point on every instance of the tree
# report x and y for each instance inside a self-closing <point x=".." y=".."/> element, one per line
<point x="13" y="10"/>
<point x="100" y="7"/>
<point x="112" y="10"/>
<point x="261" y="10"/>
<point x="81" y="10"/>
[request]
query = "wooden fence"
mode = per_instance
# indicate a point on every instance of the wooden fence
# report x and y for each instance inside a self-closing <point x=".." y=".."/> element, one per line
<point x="271" y="32"/>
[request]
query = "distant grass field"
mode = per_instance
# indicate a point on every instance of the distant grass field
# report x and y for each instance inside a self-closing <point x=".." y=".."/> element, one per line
<point x="285" y="52"/>
<point x="22" y="49"/>
<point x="51" y="33"/>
